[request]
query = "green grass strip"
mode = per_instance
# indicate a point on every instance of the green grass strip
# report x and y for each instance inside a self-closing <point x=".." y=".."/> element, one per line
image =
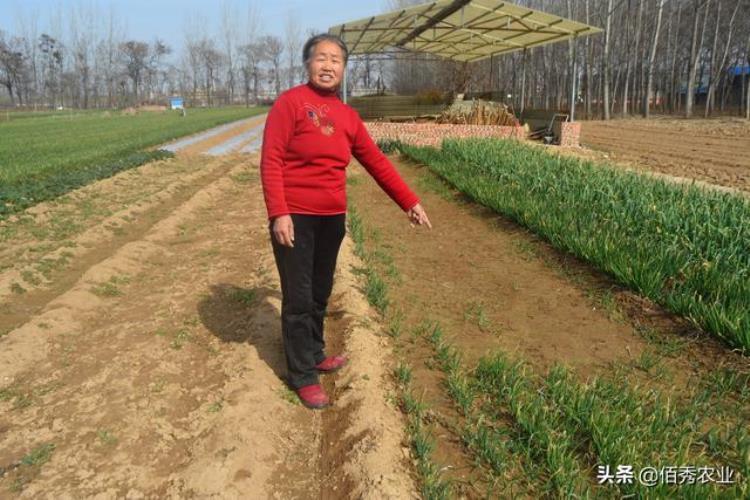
<point x="680" y="245"/>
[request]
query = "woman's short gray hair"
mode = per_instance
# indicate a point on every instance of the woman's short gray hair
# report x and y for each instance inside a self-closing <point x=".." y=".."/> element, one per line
<point x="310" y="44"/>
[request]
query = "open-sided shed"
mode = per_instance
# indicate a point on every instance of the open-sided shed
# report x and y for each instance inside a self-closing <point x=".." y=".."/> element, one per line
<point x="461" y="30"/>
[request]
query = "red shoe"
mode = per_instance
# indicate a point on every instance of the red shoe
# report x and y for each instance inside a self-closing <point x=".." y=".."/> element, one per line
<point x="313" y="396"/>
<point x="331" y="364"/>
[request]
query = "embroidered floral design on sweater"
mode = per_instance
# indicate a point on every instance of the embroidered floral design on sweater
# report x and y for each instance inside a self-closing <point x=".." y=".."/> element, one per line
<point x="318" y="116"/>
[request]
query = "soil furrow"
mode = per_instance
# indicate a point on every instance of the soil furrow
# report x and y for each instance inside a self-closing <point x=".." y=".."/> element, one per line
<point x="715" y="151"/>
<point x="158" y="370"/>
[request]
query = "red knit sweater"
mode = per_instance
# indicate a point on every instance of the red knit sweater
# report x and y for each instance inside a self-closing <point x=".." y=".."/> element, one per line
<point x="308" y="141"/>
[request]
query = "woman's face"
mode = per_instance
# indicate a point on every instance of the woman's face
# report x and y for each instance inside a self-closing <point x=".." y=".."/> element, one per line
<point x="326" y="66"/>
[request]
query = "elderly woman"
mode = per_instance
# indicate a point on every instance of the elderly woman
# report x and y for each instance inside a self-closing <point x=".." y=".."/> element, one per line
<point x="309" y="138"/>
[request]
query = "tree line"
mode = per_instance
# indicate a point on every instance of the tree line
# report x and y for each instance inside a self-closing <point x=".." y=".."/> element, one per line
<point x="689" y="57"/>
<point x="85" y="59"/>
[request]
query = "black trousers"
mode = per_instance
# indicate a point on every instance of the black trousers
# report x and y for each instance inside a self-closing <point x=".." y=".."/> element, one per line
<point x="306" y="275"/>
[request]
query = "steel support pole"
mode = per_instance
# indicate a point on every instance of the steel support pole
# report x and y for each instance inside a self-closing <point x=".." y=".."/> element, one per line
<point x="573" y="82"/>
<point x="523" y="82"/>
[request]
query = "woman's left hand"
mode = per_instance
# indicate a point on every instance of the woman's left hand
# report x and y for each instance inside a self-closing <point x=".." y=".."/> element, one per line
<point x="417" y="215"/>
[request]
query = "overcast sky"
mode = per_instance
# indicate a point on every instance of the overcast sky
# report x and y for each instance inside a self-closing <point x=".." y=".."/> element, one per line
<point x="167" y="19"/>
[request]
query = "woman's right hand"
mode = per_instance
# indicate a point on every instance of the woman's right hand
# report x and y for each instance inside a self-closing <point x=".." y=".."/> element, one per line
<point x="417" y="215"/>
<point x="283" y="230"/>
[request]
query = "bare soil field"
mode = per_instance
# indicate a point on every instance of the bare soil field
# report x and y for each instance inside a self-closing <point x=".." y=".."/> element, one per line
<point x="716" y="151"/>
<point x="141" y="355"/>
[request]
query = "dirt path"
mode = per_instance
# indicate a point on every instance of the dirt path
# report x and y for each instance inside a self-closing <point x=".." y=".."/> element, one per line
<point x="715" y="151"/>
<point x="474" y="260"/>
<point x="147" y="362"/>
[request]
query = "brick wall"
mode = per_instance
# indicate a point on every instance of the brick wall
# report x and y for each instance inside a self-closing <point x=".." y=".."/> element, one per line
<point x="432" y="134"/>
<point x="568" y="133"/>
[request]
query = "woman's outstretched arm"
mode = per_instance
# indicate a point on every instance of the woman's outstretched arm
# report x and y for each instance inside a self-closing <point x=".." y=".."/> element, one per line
<point x="381" y="169"/>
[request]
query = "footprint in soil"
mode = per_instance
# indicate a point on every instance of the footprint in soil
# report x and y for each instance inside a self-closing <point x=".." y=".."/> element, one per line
<point x="239" y="315"/>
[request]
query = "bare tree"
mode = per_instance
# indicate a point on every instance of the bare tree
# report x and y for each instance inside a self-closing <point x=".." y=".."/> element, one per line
<point x="712" y="60"/>
<point x="229" y="30"/>
<point x="589" y="64"/>
<point x="293" y="42"/>
<point x="273" y="48"/>
<point x="672" y="89"/>
<point x="605" y="58"/>
<point x="12" y="66"/>
<point x="211" y="59"/>
<point x="52" y="57"/>
<point x="193" y="67"/>
<point x="154" y="68"/>
<point x="135" y="57"/>
<point x="696" y="47"/>
<point x="194" y="32"/>
<point x="83" y="44"/>
<point x="28" y="23"/>
<point x="108" y="54"/>
<point x="718" y="64"/>
<point x="652" y="57"/>
<point x="632" y="61"/>
<point x="252" y="57"/>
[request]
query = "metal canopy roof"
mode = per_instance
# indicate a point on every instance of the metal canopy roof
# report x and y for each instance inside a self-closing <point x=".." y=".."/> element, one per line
<point x="462" y="30"/>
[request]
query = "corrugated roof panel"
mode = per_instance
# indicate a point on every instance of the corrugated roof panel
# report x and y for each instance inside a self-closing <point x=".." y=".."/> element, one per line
<point x="459" y="30"/>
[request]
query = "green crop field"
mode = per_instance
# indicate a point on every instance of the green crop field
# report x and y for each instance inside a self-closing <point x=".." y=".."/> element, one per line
<point x="42" y="157"/>
<point x="7" y="115"/>
<point x="553" y="433"/>
<point x="682" y="246"/>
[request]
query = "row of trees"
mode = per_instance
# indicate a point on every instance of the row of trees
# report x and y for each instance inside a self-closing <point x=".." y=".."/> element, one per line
<point x="79" y="60"/>
<point x="665" y="55"/>
<point x="668" y="55"/>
